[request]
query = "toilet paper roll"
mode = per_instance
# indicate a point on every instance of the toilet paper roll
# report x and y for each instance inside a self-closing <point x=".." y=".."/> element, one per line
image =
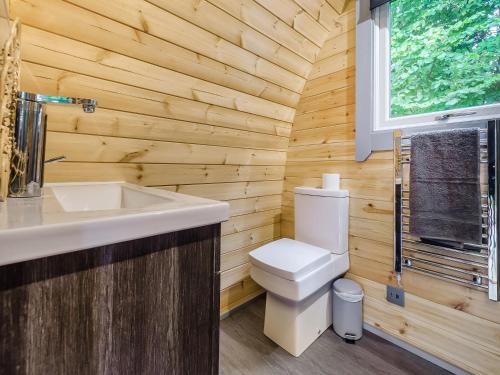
<point x="331" y="181"/>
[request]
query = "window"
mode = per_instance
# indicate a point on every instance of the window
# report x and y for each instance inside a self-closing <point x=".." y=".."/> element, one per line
<point x="433" y="59"/>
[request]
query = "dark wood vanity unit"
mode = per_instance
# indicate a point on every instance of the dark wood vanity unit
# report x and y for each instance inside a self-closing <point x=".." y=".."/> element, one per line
<point x="146" y="306"/>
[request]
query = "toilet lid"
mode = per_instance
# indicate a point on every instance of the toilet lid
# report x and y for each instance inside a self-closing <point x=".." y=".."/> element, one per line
<point x="288" y="258"/>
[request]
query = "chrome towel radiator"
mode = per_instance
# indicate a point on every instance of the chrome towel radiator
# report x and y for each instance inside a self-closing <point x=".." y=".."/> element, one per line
<point x="474" y="265"/>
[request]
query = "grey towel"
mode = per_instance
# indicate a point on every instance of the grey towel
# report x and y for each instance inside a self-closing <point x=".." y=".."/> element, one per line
<point x="445" y="191"/>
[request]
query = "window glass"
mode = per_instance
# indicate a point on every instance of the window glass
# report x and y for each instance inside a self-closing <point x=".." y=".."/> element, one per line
<point x="444" y="54"/>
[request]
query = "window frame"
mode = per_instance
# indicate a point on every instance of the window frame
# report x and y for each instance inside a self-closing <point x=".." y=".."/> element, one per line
<point x="370" y="136"/>
<point x="382" y="88"/>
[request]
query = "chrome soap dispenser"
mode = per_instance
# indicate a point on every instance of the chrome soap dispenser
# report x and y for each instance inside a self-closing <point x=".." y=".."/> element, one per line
<point x="26" y="177"/>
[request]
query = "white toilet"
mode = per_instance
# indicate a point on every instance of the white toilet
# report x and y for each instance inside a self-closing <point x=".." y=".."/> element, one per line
<point x="297" y="274"/>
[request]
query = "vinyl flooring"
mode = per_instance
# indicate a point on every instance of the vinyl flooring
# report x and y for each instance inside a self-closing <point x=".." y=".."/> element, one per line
<point x="244" y="350"/>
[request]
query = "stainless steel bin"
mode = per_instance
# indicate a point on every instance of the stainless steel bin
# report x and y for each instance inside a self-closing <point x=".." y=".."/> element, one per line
<point x="348" y="309"/>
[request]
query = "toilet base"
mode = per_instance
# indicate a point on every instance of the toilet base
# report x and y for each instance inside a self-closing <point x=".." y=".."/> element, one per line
<point x="295" y="325"/>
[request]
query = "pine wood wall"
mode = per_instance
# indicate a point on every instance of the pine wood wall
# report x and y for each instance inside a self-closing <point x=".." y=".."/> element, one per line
<point x="196" y="96"/>
<point x="199" y="96"/>
<point x="458" y="324"/>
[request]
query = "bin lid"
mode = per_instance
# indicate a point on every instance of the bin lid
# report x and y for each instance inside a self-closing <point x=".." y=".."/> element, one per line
<point x="346" y="286"/>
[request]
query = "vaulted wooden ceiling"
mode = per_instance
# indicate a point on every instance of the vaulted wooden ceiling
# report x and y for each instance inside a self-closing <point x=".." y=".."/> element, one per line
<point x="196" y="96"/>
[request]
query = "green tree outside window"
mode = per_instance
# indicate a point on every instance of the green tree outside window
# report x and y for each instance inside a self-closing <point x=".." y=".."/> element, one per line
<point x="445" y="54"/>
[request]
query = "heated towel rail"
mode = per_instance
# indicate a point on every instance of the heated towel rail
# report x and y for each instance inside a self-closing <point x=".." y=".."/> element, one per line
<point x="474" y="265"/>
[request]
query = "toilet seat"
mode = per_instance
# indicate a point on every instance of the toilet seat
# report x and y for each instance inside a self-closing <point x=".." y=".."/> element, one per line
<point x="289" y="259"/>
<point x="299" y="276"/>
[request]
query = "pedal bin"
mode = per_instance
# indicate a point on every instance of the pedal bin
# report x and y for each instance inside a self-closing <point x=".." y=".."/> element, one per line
<point x="348" y="309"/>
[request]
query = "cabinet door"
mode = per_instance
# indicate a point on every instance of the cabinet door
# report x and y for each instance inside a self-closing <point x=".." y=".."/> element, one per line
<point x="148" y="306"/>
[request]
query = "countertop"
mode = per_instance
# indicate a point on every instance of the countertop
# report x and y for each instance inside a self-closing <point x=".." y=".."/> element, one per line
<point x="32" y="228"/>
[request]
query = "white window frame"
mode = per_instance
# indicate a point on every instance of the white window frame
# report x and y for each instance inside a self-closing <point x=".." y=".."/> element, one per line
<point x="374" y="129"/>
<point x="381" y="88"/>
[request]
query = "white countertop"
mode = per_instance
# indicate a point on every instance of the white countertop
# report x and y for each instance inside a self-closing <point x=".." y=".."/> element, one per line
<point x="71" y="217"/>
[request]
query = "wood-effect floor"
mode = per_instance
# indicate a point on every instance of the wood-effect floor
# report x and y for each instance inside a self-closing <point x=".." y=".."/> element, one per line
<point x="245" y="350"/>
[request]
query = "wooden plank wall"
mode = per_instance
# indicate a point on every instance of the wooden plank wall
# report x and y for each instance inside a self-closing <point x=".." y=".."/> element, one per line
<point x="196" y="96"/>
<point x="452" y="322"/>
<point x="199" y="96"/>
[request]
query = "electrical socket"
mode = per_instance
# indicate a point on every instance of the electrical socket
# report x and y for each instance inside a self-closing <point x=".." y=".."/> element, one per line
<point x="395" y="295"/>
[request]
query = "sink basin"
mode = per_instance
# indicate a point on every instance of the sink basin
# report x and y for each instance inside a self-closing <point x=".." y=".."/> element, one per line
<point x="78" y="216"/>
<point x="98" y="197"/>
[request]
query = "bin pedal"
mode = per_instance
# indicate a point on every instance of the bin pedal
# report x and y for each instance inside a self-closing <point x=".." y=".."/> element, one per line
<point x="350" y="338"/>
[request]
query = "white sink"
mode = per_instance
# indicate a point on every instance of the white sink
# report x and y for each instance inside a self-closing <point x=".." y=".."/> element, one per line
<point x="77" y="216"/>
<point x="99" y="197"/>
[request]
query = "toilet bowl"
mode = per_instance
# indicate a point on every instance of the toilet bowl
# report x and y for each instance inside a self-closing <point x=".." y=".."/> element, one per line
<point x="297" y="274"/>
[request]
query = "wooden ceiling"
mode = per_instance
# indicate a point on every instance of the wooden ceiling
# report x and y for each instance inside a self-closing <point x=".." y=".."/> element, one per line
<point x="196" y="96"/>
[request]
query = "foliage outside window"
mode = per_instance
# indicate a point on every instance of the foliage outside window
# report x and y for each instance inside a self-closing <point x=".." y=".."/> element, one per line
<point x="444" y="55"/>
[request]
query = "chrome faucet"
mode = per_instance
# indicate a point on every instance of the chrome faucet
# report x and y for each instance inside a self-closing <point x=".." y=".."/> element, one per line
<point x="26" y="177"/>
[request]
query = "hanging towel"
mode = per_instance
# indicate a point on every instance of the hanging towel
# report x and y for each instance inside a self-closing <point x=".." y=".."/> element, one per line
<point x="445" y="191"/>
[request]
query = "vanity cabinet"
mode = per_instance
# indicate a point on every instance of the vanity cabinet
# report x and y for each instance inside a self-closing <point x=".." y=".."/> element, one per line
<point x="146" y="306"/>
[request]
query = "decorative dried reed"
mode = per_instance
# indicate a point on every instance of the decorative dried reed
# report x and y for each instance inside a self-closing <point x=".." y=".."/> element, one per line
<point x="9" y="84"/>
